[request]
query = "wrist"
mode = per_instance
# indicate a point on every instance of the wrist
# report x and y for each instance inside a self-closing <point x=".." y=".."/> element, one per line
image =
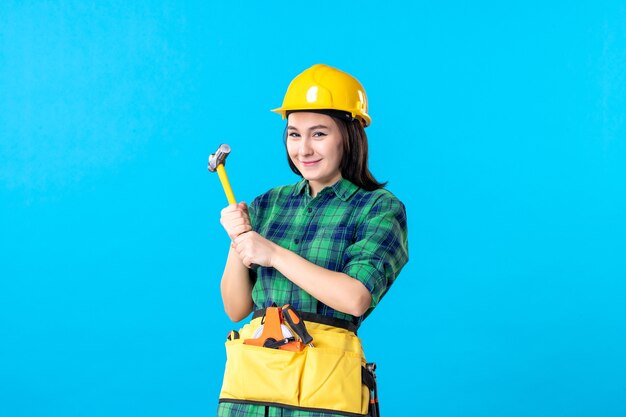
<point x="276" y="256"/>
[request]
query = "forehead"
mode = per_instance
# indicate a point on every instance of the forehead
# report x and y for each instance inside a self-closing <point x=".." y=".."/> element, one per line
<point x="302" y="120"/>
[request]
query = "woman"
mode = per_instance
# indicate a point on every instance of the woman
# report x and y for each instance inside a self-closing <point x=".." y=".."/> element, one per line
<point x="330" y="246"/>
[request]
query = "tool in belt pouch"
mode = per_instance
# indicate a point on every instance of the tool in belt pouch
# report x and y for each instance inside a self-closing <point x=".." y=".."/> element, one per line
<point x="274" y="334"/>
<point x="273" y="361"/>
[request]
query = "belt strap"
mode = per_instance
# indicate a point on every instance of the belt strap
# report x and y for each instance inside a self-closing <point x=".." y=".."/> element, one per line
<point x="318" y="318"/>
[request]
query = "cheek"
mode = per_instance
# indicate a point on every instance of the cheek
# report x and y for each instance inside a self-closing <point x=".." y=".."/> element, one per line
<point x="339" y="152"/>
<point x="292" y="152"/>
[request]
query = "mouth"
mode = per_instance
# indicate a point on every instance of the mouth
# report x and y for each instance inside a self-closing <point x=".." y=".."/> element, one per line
<point x="309" y="163"/>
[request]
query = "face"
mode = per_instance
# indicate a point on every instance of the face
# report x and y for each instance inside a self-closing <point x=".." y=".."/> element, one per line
<point x="315" y="147"/>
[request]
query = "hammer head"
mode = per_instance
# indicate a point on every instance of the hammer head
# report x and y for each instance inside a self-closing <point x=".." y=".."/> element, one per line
<point x="219" y="157"/>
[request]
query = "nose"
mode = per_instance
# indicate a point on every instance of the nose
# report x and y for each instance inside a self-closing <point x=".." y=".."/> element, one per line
<point x="305" y="147"/>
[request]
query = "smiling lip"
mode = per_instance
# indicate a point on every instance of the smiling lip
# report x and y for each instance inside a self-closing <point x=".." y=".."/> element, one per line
<point x="309" y="163"/>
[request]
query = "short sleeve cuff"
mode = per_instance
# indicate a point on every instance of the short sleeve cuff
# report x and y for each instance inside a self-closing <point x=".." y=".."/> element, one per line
<point x="369" y="276"/>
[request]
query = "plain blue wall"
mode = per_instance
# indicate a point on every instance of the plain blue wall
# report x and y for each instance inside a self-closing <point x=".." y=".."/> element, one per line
<point x="502" y="128"/>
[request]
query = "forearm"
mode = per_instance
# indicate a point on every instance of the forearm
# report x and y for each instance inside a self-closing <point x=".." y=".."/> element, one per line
<point x="335" y="289"/>
<point x="236" y="288"/>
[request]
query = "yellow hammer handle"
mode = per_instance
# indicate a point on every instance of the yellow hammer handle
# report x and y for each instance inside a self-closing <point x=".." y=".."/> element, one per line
<point x="221" y="172"/>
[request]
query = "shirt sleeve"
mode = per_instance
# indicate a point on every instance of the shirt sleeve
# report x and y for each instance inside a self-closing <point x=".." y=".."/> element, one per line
<point x="380" y="250"/>
<point x="253" y="214"/>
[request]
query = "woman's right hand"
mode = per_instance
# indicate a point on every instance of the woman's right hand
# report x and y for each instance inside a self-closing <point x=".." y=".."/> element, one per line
<point x="235" y="219"/>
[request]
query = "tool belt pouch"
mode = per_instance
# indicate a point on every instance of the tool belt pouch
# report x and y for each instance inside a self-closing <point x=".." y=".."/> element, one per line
<point x="326" y="377"/>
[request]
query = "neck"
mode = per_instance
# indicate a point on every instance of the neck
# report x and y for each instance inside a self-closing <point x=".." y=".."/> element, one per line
<point x="315" y="187"/>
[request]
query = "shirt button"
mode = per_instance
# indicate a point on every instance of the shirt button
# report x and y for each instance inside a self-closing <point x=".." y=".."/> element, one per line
<point x="309" y="209"/>
<point x="297" y="241"/>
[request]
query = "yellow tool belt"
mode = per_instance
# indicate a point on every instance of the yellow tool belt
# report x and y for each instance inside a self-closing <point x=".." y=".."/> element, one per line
<point x="325" y="377"/>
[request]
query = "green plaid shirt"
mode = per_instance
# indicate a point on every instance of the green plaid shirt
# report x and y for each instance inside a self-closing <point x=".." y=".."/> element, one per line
<point x="344" y="228"/>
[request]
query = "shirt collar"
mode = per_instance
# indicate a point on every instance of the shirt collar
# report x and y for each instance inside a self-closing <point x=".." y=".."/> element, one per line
<point x="343" y="188"/>
<point x="301" y="186"/>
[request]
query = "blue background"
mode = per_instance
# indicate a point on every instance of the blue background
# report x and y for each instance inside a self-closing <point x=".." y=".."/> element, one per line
<point x="501" y="126"/>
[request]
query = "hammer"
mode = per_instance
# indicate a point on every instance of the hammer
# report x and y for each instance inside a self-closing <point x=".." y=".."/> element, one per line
<point x="216" y="163"/>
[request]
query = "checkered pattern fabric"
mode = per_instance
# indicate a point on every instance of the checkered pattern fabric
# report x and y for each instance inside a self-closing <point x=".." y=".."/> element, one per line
<point x="250" y="410"/>
<point x="344" y="228"/>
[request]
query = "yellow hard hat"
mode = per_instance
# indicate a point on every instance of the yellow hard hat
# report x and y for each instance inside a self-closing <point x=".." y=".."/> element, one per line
<point x="322" y="87"/>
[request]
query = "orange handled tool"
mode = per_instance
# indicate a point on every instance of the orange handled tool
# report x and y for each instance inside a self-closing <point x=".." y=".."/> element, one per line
<point x="272" y="335"/>
<point x="294" y="321"/>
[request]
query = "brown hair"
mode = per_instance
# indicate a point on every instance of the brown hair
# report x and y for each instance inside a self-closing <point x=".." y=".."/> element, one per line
<point x="354" y="163"/>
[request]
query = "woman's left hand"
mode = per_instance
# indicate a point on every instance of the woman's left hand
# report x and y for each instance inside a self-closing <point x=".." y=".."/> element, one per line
<point x="254" y="249"/>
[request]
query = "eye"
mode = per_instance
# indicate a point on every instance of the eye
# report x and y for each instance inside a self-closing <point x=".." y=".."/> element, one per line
<point x="294" y="135"/>
<point x="319" y="134"/>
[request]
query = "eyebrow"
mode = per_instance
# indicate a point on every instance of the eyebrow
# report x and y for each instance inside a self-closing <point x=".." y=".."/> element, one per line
<point x="311" y="128"/>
